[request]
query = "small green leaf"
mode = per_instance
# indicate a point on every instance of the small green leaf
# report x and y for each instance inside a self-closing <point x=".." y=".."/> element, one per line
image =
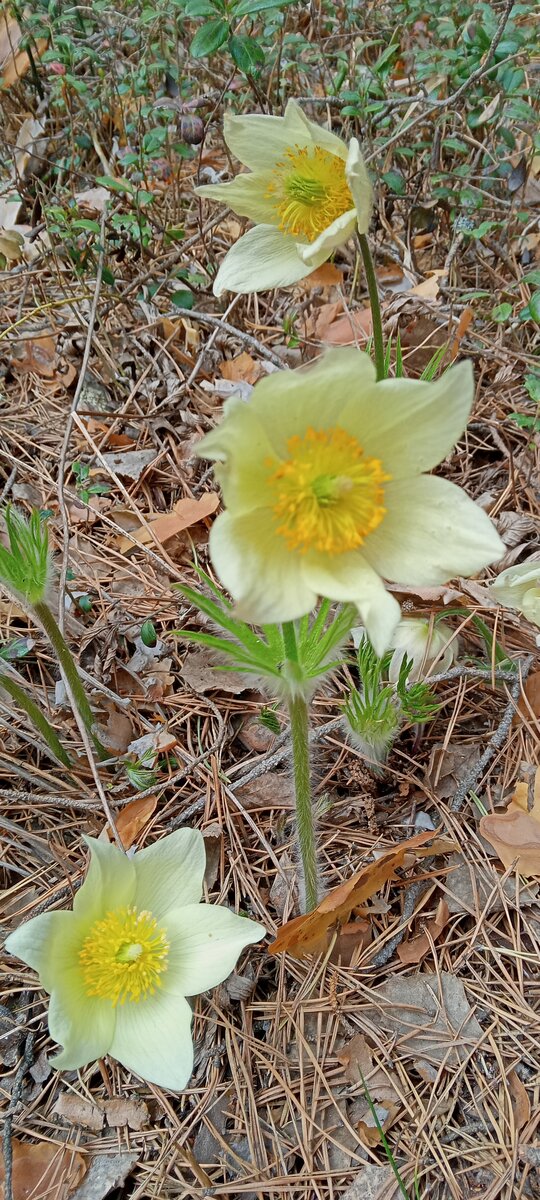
<point x="501" y="312"/>
<point x="183" y="299"/>
<point x="395" y="182"/>
<point x="246" y="54"/>
<point x="114" y="185"/>
<point x="85" y="223"/>
<point x="246" y="8"/>
<point x="200" y="8"/>
<point x="534" y="307"/>
<point x="148" y="634"/>
<point x="532" y="386"/>
<point x="209" y="38"/>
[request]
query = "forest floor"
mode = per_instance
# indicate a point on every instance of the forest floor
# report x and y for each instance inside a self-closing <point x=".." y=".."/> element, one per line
<point x="115" y="358"/>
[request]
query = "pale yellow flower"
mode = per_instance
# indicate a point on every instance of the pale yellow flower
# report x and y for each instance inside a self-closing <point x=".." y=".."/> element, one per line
<point x="306" y="189"/>
<point x="119" y="966"/>
<point x="323" y="483"/>
<point x="519" y="587"/>
<point x="423" y="644"/>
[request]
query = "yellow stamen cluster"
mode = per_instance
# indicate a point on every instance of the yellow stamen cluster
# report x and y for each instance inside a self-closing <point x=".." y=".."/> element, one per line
<point x="124" y="956"/>
<point x="329" y="495"/>
<point x="310" y="191"/>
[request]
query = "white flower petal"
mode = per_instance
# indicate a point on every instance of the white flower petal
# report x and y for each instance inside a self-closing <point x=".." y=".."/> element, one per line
<point x="206" y="941"/>
<point x="109" y="883"/>
<point x="258" y="570"/>
<point x="349" y="577"/>
<point x="337" y="233"/>
<point x="48" y="943"/>
<point x="360" y="184"/>
<point x="170" y="873"/>
<point x="290" y="402"/>
<point x="242" y="450"/>
<point x="263" y="258"/>
<point x="410" y="425"/>
<point x="246" y="195"/>
<point x="83" y="1025"/>
<point x="431" y="532"/>
<point x="511" y="585"/>
<point x="259" y="142"/>
<point x="152" y="1038"/>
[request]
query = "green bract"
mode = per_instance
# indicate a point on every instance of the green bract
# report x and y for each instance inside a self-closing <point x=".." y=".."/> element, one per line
<point x="26" y="567"/>
<point x="119" y="966"/>
<point x="323" y="482"/>
<point x="306" y="190"/>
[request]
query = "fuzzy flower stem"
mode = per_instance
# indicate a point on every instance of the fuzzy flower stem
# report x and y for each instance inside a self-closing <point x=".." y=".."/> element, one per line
<point x="371" y="279"/>
<point x="35" y="715"/>
<point x="67" y="664"/>
<point x="305" y="825"/>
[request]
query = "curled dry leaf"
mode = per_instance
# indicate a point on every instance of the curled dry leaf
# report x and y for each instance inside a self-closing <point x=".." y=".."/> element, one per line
<point x="43" y="1170"/>
<point x="415" y="950"/>
<point x="78" y="1111"/>
<point x="310" y="934"/>
<point x="15" y="62"/>
<point x="131" y="819"/>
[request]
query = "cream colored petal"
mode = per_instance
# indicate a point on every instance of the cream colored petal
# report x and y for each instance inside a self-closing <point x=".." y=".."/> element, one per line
<point x="246" y="195"/>
<point x="206" y="941"/>
<point x="259" y="142"/>
<point x="170" y="872"/>
<point x="360" y="184"/>
<point x="255" y="566"/>
<point x="432" y="532"/>
<point x="83" y="1025"/>
<point x="243" y="452"/>
<point x="153" y="1039"/>
<point x="349" y="577"/>
<point x="48" y="943"/>
<point x="263" y="258"/>
<point x="337" y="233"/>
<point x="410" y="425"/>
<point x="289" y="402"/>
<point x="109" y="883"/>
<point x="531" y="605"/>
<point x="510" y="586"/>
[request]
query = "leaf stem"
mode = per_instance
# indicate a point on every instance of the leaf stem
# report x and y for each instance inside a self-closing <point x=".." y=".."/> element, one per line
<point x="371" y="279"/>
<point x="69" y="670"/>
<point x="35" y="715"/>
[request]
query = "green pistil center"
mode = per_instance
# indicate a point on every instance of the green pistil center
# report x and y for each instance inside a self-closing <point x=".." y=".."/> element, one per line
<point x="305" y="191"/>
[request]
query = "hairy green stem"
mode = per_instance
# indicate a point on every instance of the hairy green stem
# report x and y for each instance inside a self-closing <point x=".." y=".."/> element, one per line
<point x="35" y="715"/>
<point x="305" y="825"/>
<point x="371" y="279"/>
<point x="67" y="664"/>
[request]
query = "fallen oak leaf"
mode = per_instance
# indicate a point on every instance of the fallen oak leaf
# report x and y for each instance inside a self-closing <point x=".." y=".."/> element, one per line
<point x="243" y="369"/>
<point x="131" y="819"/>
<point x="309" y="933"/>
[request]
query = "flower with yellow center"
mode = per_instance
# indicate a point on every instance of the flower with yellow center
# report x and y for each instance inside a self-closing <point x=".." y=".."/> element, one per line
<point x="519" y="587"/>
<point x="306" y="190"/>
<point x="323" y="481"/>
<point x="119" y="966"/>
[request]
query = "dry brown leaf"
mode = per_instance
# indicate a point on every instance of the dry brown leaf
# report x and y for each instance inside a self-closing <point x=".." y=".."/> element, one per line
<point x="78" y="1111"/>
<point x="213" y="842"/>
<point x="14" y="63"/>
<point x="515" y="837"/>
<point x="351" y="940"/>
<point x="131" y="819"/>
<point x="347" y="330"/>
<point x="11" y="245"/>
<point x="37" y="355"/>
<point x="129" y="464"/>
<point x="430" y="1014"/>
<point x="93" y="200"/>
<point x="43" y="1170"/>
<point x="415" y="950"/>
<point x="527" y="795"/>
<point x="309" y="933"/>
<point x="428" y="288"/>
<point x="521" y="1105"/>
<point x="327" y="275"/>
<point x="120" y="1111"/>
<point x="369" y="1129"/>
<point x="465" y="320"/>
<point x="199" y="672"/>
<point x="118" y="732"/>
<point x="373" y="1183"/>
<point x="244" y="368"/>
<point x="532" y="701"/>
<point x="185" y="513"/>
